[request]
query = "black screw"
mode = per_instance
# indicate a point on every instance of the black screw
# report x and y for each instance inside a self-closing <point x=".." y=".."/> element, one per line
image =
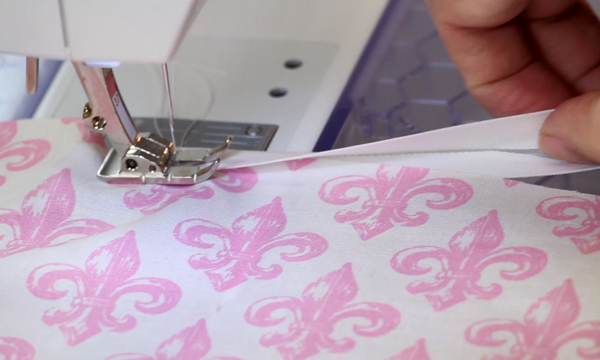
<point x="131" y="164"/>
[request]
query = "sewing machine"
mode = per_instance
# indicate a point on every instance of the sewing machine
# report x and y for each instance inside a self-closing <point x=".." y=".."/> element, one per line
<point x="267" y="72"/>
<point x="355" y="72"/>
<point x="368" y="71"/>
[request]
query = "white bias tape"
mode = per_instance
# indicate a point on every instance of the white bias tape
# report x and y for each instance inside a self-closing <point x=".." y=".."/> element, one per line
<point x="505" y="147"/>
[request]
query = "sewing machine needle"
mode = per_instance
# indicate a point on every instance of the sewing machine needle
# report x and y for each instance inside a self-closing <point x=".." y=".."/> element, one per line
<point x="169" y="102"/>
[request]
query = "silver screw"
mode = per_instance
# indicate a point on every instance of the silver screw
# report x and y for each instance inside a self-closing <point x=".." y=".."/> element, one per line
<point x="99" y="123"/>
<point x="253" y="130"/>
<point x="87" y="111"/>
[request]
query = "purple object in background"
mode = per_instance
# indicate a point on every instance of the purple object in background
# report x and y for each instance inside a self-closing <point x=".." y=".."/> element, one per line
<point x="406" y="83"/>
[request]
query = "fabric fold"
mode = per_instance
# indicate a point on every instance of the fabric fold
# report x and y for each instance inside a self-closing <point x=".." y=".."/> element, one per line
<point x="505" y="147"/>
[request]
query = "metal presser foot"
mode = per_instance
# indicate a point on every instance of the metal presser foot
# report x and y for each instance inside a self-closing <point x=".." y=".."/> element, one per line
<point x="150" y="160"/>
<point x="136" y="157"/>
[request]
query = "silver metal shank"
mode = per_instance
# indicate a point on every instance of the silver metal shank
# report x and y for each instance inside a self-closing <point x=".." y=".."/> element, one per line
<point x="138" y="158"/>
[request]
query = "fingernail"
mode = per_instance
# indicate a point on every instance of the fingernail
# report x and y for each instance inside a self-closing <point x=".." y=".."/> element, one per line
<point x="560" y="149"/>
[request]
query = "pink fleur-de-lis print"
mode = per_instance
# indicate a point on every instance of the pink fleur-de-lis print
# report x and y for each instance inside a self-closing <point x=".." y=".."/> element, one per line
<point x="25" y="154"/>
<point x="305" y="324"/>
<point x="510" y="183"/>
<point x="547" y="326"/>
<point x="15" y="349"/>
<point x="236" y="180"/>
<point x="191" y="343"/>
<point x="242" y="247"/>
<point x="383" y="200"/>
<point x="154" y="198"/>
<point x="87" y="135"/>
<point x="415" y="352"/>
<point x="46" y="218"/>
<point x="580" y="217"/>
<point x="294" y="165"/>
<point x="469" y="253"/>
<point x="88" y="305"/>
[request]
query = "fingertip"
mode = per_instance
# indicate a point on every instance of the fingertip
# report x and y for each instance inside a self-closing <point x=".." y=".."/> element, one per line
<point x="572" y="131"/>
<point x="560" y="149"/>
<point x="476" y="13"/>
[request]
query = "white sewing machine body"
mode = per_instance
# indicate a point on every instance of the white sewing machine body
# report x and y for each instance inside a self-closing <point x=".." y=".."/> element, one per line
<point x="107" y="30"/>
<point x="231" y="64"/>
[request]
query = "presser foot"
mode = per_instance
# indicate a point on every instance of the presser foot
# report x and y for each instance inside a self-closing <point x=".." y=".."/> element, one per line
<point x="152" y="160"/>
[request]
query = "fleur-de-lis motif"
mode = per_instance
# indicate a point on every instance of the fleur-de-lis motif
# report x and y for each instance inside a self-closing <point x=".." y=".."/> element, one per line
<point x="324" y="303"/>
<point x="154" y="198"/>
<point x="415" y="352"/>
<point x="581" y="219"/>
<point x="27" y="152"/>
<point x="547" y="326"/>
<point x="191" y="343"/>
<point x="384" y="200"/>
<point x="242" y="248"/>
<point x="92" y="299"/>
<point x="294" y="165"/>
<point x="16" y="349"/>
<point x="45" y="218"/>
<point x="236" y="180"/>
<point x="469" y="253"/>
<point x="87" y="135"/>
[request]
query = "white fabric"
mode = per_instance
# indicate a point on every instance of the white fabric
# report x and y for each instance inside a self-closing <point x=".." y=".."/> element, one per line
<point x="307" y="259"/>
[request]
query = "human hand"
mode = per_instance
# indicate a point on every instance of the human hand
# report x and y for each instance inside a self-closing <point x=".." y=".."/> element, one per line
<point x="520" y="56"/>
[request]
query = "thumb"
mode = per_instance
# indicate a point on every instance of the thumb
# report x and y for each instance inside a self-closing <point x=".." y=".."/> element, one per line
<point x="572" y="131"/>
